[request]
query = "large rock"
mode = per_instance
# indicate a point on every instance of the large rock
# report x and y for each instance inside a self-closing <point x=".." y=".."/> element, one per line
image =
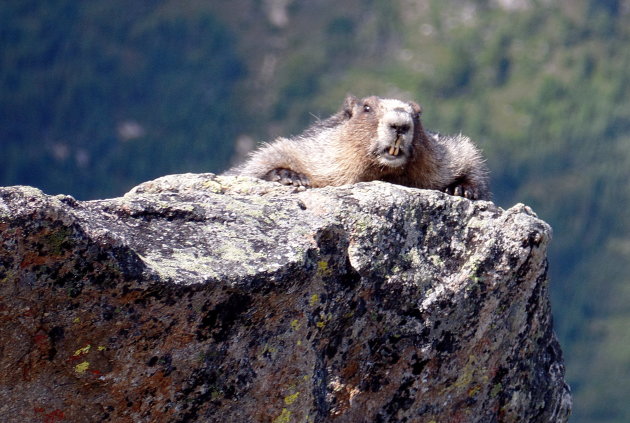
<point x="202" y="298"/>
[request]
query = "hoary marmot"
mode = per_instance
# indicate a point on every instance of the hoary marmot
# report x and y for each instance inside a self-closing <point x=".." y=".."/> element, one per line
<point x="373" y="139"/>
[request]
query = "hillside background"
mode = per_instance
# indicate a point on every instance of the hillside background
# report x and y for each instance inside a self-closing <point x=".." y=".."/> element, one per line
<point x="96" y="97"/>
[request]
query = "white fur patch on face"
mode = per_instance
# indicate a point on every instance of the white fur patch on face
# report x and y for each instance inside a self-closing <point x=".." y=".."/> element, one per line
<point x="393" y="104"/>
<point x="394" y="133"/>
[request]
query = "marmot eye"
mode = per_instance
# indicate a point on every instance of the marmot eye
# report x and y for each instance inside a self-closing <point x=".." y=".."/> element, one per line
<point x="367" y="108"/>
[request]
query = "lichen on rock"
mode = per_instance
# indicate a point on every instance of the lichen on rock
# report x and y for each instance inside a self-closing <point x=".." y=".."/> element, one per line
<point x="205" y="298"/>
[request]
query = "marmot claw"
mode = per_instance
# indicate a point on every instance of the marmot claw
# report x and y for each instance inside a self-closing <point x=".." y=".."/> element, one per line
<point x="462" y="190"/>
<point x="288" y="177"/>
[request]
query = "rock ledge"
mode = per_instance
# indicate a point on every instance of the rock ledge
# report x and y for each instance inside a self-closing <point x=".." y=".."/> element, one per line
<point x="203" y="298"/>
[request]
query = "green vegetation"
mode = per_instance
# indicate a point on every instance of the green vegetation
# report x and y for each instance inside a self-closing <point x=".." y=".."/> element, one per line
<point x="96" y="97"/>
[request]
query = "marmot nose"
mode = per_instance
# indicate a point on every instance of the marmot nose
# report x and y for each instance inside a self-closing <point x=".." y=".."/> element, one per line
<point x="400" y="129"/>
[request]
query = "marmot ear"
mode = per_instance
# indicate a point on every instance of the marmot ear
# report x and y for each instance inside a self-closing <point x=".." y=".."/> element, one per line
<point x="348" y="105"/>
<point x="416" y="108"/>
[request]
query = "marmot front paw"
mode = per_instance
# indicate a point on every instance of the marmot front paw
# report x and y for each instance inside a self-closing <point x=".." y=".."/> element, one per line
<point x="288" y="177"/>
<point x="463" y="190"/>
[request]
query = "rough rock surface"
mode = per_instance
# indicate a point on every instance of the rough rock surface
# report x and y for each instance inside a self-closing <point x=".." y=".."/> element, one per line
<point x="197" y="298"/>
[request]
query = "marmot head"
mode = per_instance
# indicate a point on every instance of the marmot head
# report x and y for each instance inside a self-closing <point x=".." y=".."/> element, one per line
<point x="385" y="129"/>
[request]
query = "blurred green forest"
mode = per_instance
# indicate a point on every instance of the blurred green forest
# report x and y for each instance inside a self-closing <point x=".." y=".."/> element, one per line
<point x="96" y="97"/>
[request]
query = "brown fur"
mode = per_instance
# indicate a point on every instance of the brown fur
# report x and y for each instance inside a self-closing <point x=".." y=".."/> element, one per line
<point x="353" y="145"/>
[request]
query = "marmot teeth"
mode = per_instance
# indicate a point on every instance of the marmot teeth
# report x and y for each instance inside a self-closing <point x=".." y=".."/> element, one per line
<point x="395" y="149"/>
